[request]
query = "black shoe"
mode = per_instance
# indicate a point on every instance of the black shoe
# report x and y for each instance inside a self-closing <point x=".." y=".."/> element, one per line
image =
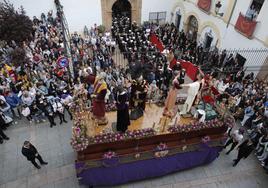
<point x="60" y="122"/>
<point x="65" y="121"/>
<point x="227" y="153"/>
<point x="51" y="126"/>
<point x="1" y="141"/>
<point x="38" y="167"/>
<point x="44" y="163"/>
<point x="6" y="138"/>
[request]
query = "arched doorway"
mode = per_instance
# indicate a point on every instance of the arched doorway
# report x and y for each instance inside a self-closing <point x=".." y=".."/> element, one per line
<point x="192" y="27"/>
<point x="121" y="8"/>
<point x="107" y="6"/>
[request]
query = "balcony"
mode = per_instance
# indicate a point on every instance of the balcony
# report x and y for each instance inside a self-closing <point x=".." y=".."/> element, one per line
<point x="245" y="26"/>
<point x="204" y="5"/>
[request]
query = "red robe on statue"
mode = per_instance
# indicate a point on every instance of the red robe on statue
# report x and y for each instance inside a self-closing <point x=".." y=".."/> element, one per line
<point x="100" y="90"/>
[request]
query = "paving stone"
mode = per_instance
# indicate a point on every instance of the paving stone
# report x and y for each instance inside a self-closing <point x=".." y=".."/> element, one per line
<point x="53" y="144"/>
<point x="54" y="175"/>
<point x="182" y="185"/>
<point x="21" y="183"/>
<point x="37" y="180"/>
<point x="210" y="185"/>
<point x="67" y="171"/>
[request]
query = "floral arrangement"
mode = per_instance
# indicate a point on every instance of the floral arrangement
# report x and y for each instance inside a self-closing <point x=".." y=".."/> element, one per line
<point x="161" y="150"/>
<point x="79" y="140"/>
<point x="205" y="139"/>
<point x="195" y="126"/>
<point x="112" y="137"/>
<point x="229" y="121"/>
<point x="79" y="143"/>
<point x="110" y="159"/>
<point x="139" y="133"/>
<point x="161" y="147"/>
<point x="107" y="137"/>
<point x="109" y="155"/>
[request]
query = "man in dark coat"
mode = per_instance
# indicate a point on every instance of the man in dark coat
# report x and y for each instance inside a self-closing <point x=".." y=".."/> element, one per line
<point x="30" y="152"/>
<point x="3" y="126"/>
<point x="244" y="150"/>
<point x="3" y="136"/>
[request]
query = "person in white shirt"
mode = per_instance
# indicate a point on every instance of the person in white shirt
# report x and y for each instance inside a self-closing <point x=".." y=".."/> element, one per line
<point x="235" y="138"/>
<point x="59" y="109"/>
<point x="222" y="86"/>
<point x="191" y="95"/>
<point x="66" y="100"/>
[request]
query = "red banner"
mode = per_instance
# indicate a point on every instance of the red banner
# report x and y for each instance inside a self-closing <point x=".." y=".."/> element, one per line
<point x="154" y="39"/>
<point x="191" y="69"/>
<point x="204" y="5"/>
<point x="245" y="26"/>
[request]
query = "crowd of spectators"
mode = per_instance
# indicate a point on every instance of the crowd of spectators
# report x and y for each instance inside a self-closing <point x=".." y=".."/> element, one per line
<point x="41" y="90"/>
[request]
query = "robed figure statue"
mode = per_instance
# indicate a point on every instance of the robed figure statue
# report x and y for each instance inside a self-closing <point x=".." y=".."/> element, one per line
<point x="122" y="111"/>
<point x="98" y="107"/>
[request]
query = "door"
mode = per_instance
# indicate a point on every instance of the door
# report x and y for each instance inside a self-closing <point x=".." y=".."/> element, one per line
<point x="178" y="22"/>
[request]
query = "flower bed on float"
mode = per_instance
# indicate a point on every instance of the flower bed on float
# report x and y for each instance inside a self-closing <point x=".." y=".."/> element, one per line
<point x="80" y="141"/>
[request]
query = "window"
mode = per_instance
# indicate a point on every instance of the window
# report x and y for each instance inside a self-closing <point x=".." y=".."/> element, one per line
<point x="158" y="17"/>
<point x="254" y="9"/>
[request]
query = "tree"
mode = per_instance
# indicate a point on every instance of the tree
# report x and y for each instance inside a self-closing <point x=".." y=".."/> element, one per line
<point x="18" y="57"/>
<point x="14" y="24"/>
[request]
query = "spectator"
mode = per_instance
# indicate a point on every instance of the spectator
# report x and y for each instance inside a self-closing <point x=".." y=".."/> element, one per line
<point x="234" y="138"/>
<point x="31" y="153"/>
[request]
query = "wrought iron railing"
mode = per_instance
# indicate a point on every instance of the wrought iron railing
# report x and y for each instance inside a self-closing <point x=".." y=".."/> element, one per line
<point x="252" y="60"/>
<point x="66" y="34"/>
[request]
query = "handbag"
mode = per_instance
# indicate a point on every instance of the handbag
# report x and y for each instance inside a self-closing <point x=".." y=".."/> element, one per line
<point x="25" y="112"/>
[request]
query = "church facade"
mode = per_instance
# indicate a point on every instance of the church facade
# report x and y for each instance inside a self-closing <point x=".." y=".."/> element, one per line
<point x="225" y="24"/>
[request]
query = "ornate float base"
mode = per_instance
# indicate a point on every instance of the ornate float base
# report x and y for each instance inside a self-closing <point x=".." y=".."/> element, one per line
<point x="143" y="169"/>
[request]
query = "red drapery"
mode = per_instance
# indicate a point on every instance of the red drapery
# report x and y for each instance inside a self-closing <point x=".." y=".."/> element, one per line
<point x="245" y="26"/>
<point x="204" y="5"/>
<point x="191" y="69"/>
<point x="154" y="39"/>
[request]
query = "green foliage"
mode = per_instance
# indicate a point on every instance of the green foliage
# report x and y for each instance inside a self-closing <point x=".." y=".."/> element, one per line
<point x="18" y="57"/>
<point x="14" y="24"/>
<point x="101" y="29"/>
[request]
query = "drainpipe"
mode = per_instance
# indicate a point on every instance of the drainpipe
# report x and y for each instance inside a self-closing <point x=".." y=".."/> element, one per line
<point x="235" y="1"/>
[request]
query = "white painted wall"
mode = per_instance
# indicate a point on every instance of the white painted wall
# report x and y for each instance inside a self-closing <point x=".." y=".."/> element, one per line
<point x="157" y="6"/>
<point x="77" y="12"/>
<point x="229" y="37"/>
<point x="174" y="18"/>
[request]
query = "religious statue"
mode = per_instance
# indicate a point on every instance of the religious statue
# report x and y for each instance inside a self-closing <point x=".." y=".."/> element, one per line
<point x="98" y="108"/>
<point x="170" y="109"/>
<point x="122" y="111"/>
<point x="193" y="90"/>
<point x="138" y="97"/>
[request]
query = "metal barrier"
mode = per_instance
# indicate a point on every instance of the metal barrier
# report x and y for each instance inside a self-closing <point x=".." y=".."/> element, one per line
<point x="252" y="60"/>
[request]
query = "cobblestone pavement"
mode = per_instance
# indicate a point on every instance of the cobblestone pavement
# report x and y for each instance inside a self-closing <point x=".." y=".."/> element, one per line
<point x="53" y="145"/>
